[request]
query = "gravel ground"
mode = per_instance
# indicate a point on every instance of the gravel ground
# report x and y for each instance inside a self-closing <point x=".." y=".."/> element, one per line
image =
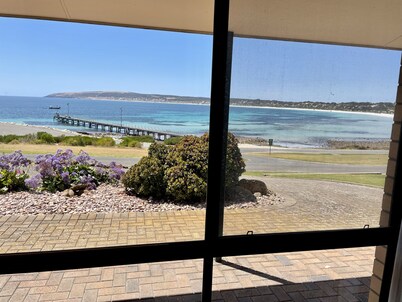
<point x="105" y="199"/>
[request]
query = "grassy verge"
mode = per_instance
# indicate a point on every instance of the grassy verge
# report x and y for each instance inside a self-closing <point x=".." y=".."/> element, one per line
<point x="372" y="180"/>
<point x="116" y="152"/>
<point x="351" y="159"/>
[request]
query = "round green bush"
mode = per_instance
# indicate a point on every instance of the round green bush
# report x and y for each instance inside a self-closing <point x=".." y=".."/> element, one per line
<point x="146" y="178"/>
<point x="180" y="172"/>
<point x="183" y="185"/>
<point x="159" y="151"/>
<point x="187" y="168"/>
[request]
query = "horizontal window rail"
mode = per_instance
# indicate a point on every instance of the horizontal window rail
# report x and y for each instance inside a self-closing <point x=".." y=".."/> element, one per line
<point x="224" y="246"/>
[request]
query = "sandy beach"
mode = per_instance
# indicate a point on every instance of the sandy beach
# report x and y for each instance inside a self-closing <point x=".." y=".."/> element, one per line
<point x="387" y="115"/>
<point x="21" y="129"/>
<point x="244" y="142"/>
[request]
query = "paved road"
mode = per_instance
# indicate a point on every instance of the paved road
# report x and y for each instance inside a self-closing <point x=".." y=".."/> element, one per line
<point x="258" y="163"/>
<point x="251" y="149"/>
<point x="331" y="275"/>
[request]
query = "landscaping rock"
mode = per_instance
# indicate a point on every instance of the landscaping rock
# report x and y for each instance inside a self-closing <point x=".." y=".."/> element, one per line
<point x="239" y="194"/>
<point x="68" y="193"/>
<point x="254" y="186"/>
<point x="80" y="187"/>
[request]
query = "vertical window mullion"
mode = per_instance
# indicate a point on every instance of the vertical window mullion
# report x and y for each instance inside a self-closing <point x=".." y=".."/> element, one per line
<point x="220" y="93"/>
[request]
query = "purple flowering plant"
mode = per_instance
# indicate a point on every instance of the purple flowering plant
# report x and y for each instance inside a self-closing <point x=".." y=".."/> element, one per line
<point x="63" y="170"/>
<point x="13" y="172"/>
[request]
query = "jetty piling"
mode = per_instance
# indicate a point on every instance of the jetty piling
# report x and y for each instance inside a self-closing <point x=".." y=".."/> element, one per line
<point x="112" y="128"/>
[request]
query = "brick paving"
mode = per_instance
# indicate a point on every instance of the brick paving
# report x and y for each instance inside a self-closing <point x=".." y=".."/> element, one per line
<point x="333" y="275"/>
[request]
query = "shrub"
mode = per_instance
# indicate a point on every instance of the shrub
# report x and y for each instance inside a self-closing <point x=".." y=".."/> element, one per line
<point x="146" y="178"/>
<point x="12" y="181"/>
<point x="104" y="142"/>
<point x="130" y="141"/>
<point x="159" y="151"/>
<point x="78" y="140"/>
<point x="14" y="162"/>
<point x="13" y="172"/>
<point x="184" y="169"/>
<point x="71" y="141"/>
<point x="184" y="185"/>
<point x="186" y="175"/>
<point x="235" y="165"/>
<point x="8" y="138"/>
<point x="134" y="144"/>
<point x="145" y="138"/>
<point x="39" y="138"/>
<point x="45" y="137"/>
<point x="62" y="170"/>
<point x="29" y="138"/>
<point x="59" y="139"/>
<point x="172" y="140"/>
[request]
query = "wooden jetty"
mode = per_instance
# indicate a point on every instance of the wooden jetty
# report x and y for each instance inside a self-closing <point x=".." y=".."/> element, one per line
<point x="120" y="129"/>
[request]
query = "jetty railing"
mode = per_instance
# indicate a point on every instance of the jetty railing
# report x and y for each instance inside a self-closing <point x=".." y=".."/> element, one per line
<point x="113" y="128"/>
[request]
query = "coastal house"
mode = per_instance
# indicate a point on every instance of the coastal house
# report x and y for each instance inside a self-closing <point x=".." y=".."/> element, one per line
<point x="363" y="23"/>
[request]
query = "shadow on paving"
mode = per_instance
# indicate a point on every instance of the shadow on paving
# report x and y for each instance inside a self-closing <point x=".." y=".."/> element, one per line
<point x="342" y="290"/>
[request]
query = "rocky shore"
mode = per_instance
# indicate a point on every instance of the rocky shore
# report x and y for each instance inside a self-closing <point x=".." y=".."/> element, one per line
<point x="367" y="144"/>
<point x="359" y="144"/>
<point x="258" y="141"/>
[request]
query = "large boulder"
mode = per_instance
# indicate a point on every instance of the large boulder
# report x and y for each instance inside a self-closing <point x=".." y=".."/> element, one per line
<point x="238" y="194"/>
<point x="254" y="186"/>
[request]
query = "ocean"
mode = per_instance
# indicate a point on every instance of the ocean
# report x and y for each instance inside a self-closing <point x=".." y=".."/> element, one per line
<point x="287" y="127"/>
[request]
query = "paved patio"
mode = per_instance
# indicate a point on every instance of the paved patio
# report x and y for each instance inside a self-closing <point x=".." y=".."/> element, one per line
<point x="333" y="275"/>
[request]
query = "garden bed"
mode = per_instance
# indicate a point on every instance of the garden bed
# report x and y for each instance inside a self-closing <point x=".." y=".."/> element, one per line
<point x="106" y="199"/>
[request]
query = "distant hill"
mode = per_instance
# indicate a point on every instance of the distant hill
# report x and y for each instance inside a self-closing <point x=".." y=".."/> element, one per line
<point x="381" y="107"/>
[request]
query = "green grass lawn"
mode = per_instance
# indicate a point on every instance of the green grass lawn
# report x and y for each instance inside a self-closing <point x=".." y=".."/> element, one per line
<point x="372" y="180"/>
<point x="351" y="159"/>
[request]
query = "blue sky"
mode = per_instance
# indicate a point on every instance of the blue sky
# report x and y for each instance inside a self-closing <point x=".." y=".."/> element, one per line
<point x="42" y="57"/>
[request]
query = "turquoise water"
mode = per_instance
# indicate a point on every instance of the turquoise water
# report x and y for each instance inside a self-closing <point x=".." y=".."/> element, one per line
<point x="286" y="126"/>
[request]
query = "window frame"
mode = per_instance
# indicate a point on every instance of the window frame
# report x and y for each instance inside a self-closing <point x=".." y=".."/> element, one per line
<point x="214" y="244"/>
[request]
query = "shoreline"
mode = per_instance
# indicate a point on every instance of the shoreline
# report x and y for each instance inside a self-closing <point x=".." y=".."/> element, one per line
<point x="11" y="128"/>
<point x="387" y="115"/>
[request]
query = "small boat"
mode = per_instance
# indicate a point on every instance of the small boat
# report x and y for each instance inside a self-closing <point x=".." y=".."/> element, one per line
<point x="54" y="107"/>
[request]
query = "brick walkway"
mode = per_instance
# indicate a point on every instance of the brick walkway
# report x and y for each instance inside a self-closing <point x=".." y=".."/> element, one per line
<point x="335" y="275"/>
